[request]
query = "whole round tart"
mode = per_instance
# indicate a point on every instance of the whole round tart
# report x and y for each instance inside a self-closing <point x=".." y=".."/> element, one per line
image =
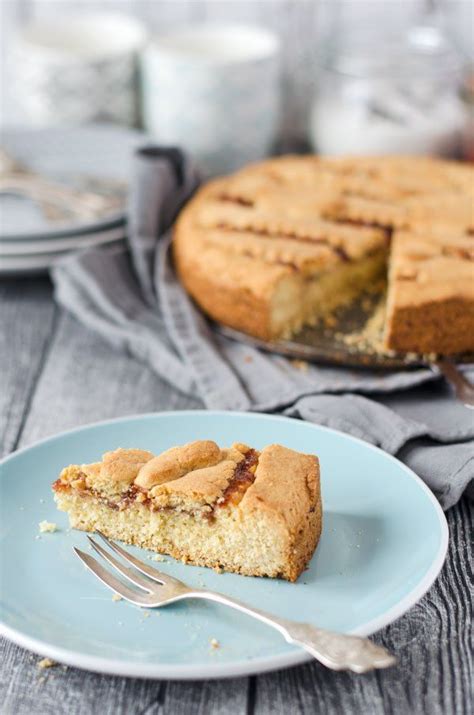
<point x="285" y="242"/>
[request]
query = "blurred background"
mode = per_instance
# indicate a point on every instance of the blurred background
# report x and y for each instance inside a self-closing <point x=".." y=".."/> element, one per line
<point x="304" y="28"/>
<point x="84" y="82"/>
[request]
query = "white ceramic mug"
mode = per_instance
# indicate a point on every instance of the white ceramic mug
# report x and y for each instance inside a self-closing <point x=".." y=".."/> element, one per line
<point x="79" y="67"/>
<point x="213" y="90"/>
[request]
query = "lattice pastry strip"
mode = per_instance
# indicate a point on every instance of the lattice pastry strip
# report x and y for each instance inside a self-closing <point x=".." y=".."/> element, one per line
<point x="449" y="208"/>
<point x="368" y="212"/>
<point x="354" y="241"/>
<point x="307" y="257"/>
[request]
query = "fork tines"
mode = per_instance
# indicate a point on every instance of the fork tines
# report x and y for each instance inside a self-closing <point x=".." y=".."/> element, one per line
<point x="153" y="587"/>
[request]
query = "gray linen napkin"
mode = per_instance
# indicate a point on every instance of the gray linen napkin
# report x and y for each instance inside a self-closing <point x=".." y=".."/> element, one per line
<point x="133" y="299"/>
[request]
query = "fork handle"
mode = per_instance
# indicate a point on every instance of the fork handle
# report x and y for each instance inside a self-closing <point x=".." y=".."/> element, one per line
<point x="463" y="389"/>
<point x="335" y="650"/>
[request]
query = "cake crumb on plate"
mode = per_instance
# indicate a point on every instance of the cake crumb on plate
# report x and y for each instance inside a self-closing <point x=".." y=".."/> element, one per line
<point x="46" y="663"/>
<point x="47" y="527"/>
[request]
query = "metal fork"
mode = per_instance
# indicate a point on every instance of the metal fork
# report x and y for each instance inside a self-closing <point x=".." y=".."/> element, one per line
<point x="335" y="650"/>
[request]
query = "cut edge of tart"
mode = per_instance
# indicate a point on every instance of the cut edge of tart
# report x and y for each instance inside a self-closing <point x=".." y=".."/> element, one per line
<point x="430" y="301"/>
<point x="235" y="509"/>
<point x="270" y="276"/>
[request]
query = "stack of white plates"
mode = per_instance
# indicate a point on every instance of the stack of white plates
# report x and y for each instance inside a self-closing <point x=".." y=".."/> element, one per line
<point x="96" y="158"/>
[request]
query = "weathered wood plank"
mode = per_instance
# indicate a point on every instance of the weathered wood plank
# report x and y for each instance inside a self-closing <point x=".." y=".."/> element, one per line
<point x="68" y="691"/>
<point x="202" y="698"/>
<point x="85" y="380"/>
<point x="27" y="322"/>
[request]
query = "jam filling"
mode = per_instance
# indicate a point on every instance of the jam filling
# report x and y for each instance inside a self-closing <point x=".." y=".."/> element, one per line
<point x="59" y="486"/>
<point x="242" y="478"/>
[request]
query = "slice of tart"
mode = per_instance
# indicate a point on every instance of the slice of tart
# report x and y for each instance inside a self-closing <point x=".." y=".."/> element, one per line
<point x="430" y="302"/>
<point x="236" y="509"/>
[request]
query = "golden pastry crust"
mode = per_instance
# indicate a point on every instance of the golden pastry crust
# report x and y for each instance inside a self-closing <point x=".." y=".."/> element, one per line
<point x="283" y="242"/>
<point x="176" y="462"/>
<point x="121" y="465"/>
<point x="431" y="291"/>
<point x="254" y="513"/>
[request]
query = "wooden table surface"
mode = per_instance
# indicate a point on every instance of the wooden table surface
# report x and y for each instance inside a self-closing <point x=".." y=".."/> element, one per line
<point x="54" y="375"/>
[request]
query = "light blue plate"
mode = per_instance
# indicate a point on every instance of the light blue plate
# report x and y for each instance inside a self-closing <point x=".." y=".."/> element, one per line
<point x="384" y="541"/>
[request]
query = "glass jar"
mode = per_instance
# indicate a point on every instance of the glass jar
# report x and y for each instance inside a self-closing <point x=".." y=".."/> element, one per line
<point x="398" y="97"/>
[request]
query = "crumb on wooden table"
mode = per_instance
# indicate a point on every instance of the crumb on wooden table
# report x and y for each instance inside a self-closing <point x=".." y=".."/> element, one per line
<point x="46" y="663"/>
<point x="47" y="527"/>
